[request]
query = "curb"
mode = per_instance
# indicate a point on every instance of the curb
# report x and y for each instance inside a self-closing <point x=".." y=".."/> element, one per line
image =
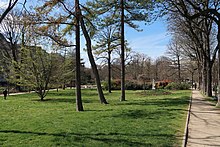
<point x="186" y="131"/>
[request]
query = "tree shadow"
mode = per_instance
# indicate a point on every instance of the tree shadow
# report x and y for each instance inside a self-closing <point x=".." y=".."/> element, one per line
<point x="65" y="100"/>
<point x="138" y="114"/>
<point x="96" y="110"/>
<point x="107" y="138"/>
<point x="56" y="100"/>
<point x="165" y="102"/>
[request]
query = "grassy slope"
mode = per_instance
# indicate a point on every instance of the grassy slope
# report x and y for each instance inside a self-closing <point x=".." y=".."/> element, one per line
<point x="142" y="120"/>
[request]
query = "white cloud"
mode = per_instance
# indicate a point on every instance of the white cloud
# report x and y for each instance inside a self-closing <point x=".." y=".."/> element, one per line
<point x="153" y="45"/>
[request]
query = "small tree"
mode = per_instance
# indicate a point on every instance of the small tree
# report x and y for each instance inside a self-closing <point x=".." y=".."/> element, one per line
<point x="36" y="70"/>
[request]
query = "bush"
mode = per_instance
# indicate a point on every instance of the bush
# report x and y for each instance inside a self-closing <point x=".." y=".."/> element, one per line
<point x="115" y="85"/>
<point x="129" y="85"/>
<point x="177" y="86"/>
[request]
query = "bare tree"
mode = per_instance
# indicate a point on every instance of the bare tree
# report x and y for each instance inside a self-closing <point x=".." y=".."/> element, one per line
<point x="199" y="31"/>
<point x="174" y="52"/>
<point x="203" y="10"/>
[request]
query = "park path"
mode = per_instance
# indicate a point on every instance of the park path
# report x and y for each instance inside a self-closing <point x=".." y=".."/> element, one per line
<point x="17" y="93"/>
<point x="204" y="124"/>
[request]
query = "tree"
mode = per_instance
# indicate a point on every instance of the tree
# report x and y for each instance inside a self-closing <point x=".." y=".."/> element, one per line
<point x="163" y="70"/>
<point x="53" y="23"/>
<point x="143" y="78"/>
<point x="91" y="59"/>
<point x="174" y="51"/>
<point x="107" y="42"/>
<point x="11" y="30"/>
<point x="141" y="64"/>
<point x="79" y="106"/>
<point x="200" y="15"/>
<point x="130" y="11"/>
<point x="35" y="70"/>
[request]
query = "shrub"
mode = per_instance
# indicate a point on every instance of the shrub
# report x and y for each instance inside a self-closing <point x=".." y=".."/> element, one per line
<point x="177" y="86"/>
<point x="115" y="85"/>
<point x="129" y="85"/>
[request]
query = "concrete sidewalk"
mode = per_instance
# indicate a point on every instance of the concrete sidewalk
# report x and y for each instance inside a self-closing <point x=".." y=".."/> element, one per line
<point x="204" y="124"/>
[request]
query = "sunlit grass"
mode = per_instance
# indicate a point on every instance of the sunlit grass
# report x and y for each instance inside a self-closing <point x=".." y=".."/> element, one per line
<point x="142" y="120"/>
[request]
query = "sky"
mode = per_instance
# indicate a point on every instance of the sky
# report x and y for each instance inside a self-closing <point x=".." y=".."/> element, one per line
<point x="152" y="41"/>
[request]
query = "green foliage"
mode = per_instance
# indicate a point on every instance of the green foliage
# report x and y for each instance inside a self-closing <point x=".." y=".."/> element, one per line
<point x="129" y="85"/>
<point x="115" y="85"/>
<point x="177" y="86"/>
<point x="35" y="70"/>
<point x="140" y="121"/>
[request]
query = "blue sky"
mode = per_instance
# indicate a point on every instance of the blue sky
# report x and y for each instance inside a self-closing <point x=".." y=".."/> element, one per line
<point x="152" y="41"/>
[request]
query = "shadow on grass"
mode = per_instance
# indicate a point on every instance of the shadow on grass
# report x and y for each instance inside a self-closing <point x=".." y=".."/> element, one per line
<point x="56" y="100"/>
<point x="165" y="107"/>
<point x="165" y="102"/>
<point x="108" y="138"/>
<point x="154" y="93"/>
<point x="154" y="115"/>
<point x="65" y="100"/>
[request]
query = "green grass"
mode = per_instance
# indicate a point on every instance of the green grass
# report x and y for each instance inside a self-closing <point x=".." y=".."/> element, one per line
<point x="142" y="120"/>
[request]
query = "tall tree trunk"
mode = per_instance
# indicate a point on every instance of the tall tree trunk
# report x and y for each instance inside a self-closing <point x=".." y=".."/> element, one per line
<point x="92" y="61"/>
<point x="209" y="79"/>
<point x="179" y="68"/>
<point x="122" y="53"/>
<point x="208" y="27"/>
<point x="218" y="38"/>
<point x="200" y="76"/>
<point x="218" y="103"/>
<point x="109" y="70"/>
<point x="204" y="76"/>
<point x="79" y="106"/>
<point x="64" y="58"/>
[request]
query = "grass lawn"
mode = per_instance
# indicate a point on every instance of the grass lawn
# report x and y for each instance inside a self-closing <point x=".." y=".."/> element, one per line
<point x="145" y="119"/>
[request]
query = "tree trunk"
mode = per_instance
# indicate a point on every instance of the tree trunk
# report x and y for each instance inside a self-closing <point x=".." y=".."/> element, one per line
<point x="92" y="61"/>
<point x="109" y="71"/>
<point x="179" y="68"/>
<point x="218" y="103"/>
<point x="209" y="79"/>
<point x="209" y="64"/>
<point x="204" y="77"/>
<point x="122" y="53"/>
<point x="40" y="94"/>
<point x="79" y="106"/>
<point x="200" y="76"/>
<point x="218" y="38"/>
<point x="192" y="78"/>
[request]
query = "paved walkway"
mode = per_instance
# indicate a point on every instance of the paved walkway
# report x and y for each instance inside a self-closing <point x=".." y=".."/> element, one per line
<point x="204" y="124"/>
